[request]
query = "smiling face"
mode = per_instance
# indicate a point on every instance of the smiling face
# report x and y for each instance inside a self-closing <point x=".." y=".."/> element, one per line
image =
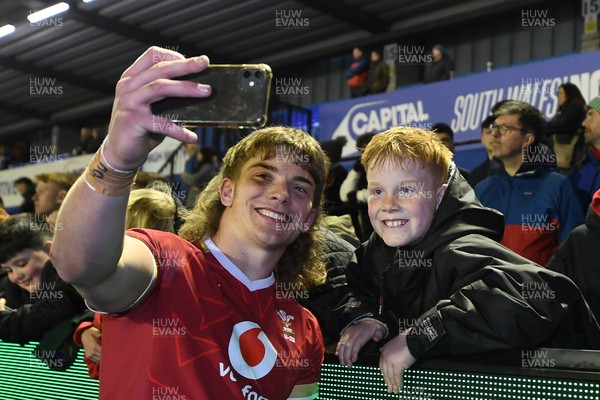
<point x="402" y="201"/>
<point x="269" y="205"/>
<point x="25" y="269"/>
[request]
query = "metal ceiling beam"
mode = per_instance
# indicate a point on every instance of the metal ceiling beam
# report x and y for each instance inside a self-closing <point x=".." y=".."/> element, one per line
<point x="354" y="17"/>
<point x="130" y="31"/>
<point x="61" y="77"/>
<point x="86" y="113"/>
<point x="21" y="111"/>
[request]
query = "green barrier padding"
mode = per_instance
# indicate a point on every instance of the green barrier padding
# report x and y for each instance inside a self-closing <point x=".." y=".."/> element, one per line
<point x="24" y="377"/>
<point x="366" y="382"/>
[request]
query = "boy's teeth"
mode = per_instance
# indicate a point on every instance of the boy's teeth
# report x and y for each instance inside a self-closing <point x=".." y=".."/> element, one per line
<point x="394" y="223"/>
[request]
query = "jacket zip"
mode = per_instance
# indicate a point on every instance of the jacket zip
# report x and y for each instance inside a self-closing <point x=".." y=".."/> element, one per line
<point x="381" y="287"/>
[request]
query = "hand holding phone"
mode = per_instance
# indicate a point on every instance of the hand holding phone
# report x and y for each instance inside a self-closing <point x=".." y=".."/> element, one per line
<point x="239" y="98"/>
<point x="133" y="130"/>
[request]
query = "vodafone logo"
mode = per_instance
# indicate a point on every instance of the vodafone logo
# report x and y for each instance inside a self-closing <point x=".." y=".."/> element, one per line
<point x="251" y="353"/>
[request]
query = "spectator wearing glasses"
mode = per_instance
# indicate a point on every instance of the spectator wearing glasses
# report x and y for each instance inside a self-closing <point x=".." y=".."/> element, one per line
<point x="539" y="204"/>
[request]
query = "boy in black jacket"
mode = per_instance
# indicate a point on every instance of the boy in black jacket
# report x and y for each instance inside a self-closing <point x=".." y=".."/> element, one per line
<point x="450" y="288"/>
<point x="33" y="299"/>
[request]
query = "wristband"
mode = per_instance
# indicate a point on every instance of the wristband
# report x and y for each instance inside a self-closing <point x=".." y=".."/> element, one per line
<point x="105" y="161"/>
<point x="103" y="178"/>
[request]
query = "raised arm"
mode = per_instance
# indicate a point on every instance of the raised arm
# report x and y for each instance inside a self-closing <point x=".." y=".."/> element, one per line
<point x="90" y="249"/>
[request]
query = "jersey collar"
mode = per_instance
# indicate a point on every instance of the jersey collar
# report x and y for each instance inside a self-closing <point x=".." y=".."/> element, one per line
<point x="236" y="272"/>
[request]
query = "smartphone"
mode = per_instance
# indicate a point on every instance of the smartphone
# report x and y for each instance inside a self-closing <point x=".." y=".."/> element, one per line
<point x="240" y="97"/>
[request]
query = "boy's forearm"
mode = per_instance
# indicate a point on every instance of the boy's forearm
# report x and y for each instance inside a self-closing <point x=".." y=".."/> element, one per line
<point x="89" y="234"/>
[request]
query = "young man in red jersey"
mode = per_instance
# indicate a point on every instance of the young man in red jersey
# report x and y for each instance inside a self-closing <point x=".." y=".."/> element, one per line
<point x="199" y="318"/>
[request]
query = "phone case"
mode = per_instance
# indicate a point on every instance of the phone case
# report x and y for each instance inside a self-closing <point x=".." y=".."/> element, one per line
<point x="240" y="97"/>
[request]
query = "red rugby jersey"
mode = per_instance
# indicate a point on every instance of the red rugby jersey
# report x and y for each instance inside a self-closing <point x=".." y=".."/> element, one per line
<point x="207" y="332"/>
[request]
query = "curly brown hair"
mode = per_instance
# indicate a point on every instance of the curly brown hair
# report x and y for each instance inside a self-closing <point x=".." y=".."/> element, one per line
<point x="302" y="262"/>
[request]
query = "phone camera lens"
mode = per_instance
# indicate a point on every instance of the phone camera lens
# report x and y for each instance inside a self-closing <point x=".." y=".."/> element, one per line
<point x="247" y="74"/>
<point x="258" y="74"/>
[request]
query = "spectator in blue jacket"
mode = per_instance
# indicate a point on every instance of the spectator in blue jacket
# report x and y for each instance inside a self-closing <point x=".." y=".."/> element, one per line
<point x="585" y="176"/>
<point x="539" y="204"/>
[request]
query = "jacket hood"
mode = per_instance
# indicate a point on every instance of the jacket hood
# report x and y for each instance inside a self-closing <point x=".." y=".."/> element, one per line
<point x="592" y="218"/>
<point x="459" y="214"/>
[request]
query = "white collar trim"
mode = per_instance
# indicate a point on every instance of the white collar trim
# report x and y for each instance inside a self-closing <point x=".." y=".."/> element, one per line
<point x="236" y="272"/>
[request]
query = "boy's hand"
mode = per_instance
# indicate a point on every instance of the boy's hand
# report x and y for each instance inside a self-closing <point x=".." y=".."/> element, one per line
<point x="395" y="358"/>
<point x="2" y="303"/>
<point x="90" y="338"/>
<point x="355" y="337"/>
<point x="133" y="130"/>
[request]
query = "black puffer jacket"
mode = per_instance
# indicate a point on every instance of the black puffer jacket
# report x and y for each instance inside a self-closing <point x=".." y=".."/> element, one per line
<point x="327" y="300"/>
<point x="463" y="293"/>
<point x="36" y="313"/>
<point x="578" y="258"/>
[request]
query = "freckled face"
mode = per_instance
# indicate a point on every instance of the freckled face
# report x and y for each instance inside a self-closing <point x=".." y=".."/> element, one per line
<point x="402" y="201"/>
